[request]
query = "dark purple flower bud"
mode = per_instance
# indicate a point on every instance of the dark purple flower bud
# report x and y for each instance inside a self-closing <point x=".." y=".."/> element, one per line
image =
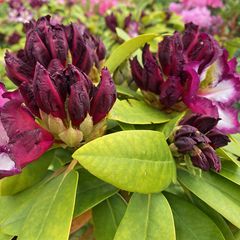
<point x="37" y="3"/>
<point x="17" y="70"/>
<point x="203" y="123"/>
<point x="199" y="159"/>
<point x="55" y="66"/>
<point x="184" y="131"/>
<point x="111" y="22"/>
<point x="101" y="50"/>
<point x="185" y="144"/>
<point x="14" y="38"/>
<point x="127" y="21"/>
<point x="212" y="158"/>
<point x="36" y="50"/>
<point x="104" y="98"/>
<point x="137" y="73"/>
<point x="74" y="76"/>
<point x="82" y="54"/>
<point x="57" y="43"/>
<point x="170" y="53"/>
<point x="26" y="90"/>
<point x="171" y="91"/>
<point x="46" y="95"/>
<point x="190" y="35"/>
<point x="78" y="103"/>
<point x="151" y="76"/>
<point x="217" y="138"/>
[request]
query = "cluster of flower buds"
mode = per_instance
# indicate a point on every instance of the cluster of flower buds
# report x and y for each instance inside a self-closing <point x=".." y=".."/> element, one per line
<point x="129" y="25"/>
<point x="47" y="42"/>
<point x="197" y="138"/>
<point x="191" y="70"/>
<point x="56" y="101"/>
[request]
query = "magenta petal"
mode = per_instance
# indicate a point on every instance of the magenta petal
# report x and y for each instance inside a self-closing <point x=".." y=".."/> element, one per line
<point x="46" y="94"/>
<point x="2" y="91"/>
<point x="202" y="105"/>
<point x="228" y="123"/>
<point x="3" y="135"/>
<point x="8" y="166"/>
<point x="30" y="145"/>
<point x="192" y="82"/>
<point x="104" y="98"/>
<point x="226" y="91"/>
<point x="16" y="118"/>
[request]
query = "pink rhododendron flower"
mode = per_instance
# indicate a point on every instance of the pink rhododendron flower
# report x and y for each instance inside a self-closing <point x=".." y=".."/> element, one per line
<point x="200" y="16"/>
<point x="198" y="12"/>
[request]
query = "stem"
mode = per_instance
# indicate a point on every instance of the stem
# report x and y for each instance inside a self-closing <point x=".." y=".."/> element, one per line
<point x="71" y="166"/>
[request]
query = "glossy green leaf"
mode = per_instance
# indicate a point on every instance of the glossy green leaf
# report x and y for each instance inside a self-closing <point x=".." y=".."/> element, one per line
<point x="216" y="191"/>
<point x="227" y="156"/>
<point x="215" y="216"/>
<point x="136" y="161"/>
<point x="122" y="90"/>
<point x="107" y="217"/>
<point x="5" y="237"/>
<point x="51" y="214"/>
<point x="147" y="217"/>
<point x="234" y="146"/>
<point x="230" y="171"/>
<point x="168" y="127"/>
<point x="190" y="222"/>
<point x="125" y="50"/>
<point x="137" y="112"/>
<point x="14" y="209"/>
<point x="30" y="175"/>
<point x="90" y="192"/>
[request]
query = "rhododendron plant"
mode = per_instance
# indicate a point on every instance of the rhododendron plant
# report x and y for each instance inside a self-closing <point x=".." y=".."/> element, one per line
<point x="193" y="71"/>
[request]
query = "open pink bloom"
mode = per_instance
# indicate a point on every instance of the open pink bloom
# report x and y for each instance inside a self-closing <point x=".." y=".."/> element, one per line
<point x="22" y="140"/>
<point x="198" y="12"/>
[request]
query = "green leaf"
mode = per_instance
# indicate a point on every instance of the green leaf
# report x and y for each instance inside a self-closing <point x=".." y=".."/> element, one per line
<point x="136" y="161"/>
<point x="5" y="237"/>
<point x="148" y="217"/>
<point x="190" y="222"/>
<point x="30" y="175"/>
<point x="216" y="217"/>
<point x="137" y="112"/>
<point x="125" y="50"/>
<point x="230" y="171"/>
<point x="228" y="156"/>
<point x="91" y="191"/>
<point x="107" y="217"/>
<point x="51" y="214"/>
<point x="234" y="146"/>
<point x="128" y="92"/>
<point x="216" y="191"/>
<point x="169" y="126"/>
